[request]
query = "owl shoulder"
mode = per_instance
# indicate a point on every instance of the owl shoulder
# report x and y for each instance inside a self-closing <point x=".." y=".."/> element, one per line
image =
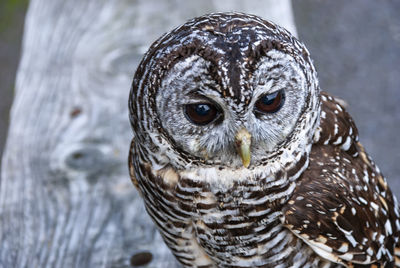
<point x="336" y="126"/>
<point x="342" y="206"/>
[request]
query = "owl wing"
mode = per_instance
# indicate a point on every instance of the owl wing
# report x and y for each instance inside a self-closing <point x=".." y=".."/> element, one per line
<point x="342" y="207"/>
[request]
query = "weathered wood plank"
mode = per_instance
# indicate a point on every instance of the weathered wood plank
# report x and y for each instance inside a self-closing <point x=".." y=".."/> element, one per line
<point x="65" y="195"/>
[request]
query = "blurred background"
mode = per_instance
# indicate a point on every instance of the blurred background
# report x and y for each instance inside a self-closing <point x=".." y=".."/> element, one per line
<point x="355" y="46"/>
<point x="12" y="16"/>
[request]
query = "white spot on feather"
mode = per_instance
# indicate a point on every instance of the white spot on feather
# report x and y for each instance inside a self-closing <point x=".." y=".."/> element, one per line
<point x="344" y="247"/>
<point x="353" y="211"/>
<point x="338" y="140"/>
<point x="388" y="228"/>
<point x="374" y="205"/>
<point x="351" y="239"/>
<point x="335" y="129"/>
<point x="363" y="200"/>
<point x="379" y="253"/>
<point x="346" y="144"/>
<point x="381" y="239"/>
<point x="347" y="256"/>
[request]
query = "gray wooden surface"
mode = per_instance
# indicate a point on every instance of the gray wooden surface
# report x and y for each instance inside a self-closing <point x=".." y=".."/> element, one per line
<point x="66" y="199"/>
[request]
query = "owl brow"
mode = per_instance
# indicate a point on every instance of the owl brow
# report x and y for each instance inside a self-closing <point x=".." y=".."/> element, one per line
<point x="195" y="94"/>
<point x="201" y="97"/>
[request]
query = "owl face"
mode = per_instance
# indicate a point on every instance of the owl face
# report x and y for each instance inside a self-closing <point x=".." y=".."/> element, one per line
<point x="202" y="121"/>
<point x="227" y="89"/>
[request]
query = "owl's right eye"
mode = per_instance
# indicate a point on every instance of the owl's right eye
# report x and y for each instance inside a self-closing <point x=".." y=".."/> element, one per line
<point x="201" y="113"/>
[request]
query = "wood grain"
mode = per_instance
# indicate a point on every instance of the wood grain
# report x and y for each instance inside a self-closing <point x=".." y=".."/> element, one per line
<point x="66" y="199"/>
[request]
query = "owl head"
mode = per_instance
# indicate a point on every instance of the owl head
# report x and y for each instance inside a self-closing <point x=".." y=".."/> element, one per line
<point x="225" y="89"/>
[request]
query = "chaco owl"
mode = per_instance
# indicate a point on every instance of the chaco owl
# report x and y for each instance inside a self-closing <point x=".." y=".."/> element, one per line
<point x="243" y="162"/>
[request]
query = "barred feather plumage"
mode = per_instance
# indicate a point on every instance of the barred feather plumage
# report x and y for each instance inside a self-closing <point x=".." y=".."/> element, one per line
<point x="308" y="195"/>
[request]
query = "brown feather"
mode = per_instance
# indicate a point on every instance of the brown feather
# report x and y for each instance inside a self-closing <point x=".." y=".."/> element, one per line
<point x="131" y="167"/>
<point x="342" y="200"/>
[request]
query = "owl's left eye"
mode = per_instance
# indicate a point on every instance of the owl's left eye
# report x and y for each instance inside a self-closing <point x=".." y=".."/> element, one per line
<point x="270" y="103"/>
<point x="201" y="113"/>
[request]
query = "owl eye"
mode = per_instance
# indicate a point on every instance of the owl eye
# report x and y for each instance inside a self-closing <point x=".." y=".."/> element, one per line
<point x="270" y="103"/>
<point x="201" y="113"/>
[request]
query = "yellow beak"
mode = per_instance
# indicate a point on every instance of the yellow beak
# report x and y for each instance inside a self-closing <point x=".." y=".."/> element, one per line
<point x="243" y="143"/>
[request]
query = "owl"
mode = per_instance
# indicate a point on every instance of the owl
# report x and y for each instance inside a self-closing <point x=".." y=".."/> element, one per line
<point x="243" y="162"/>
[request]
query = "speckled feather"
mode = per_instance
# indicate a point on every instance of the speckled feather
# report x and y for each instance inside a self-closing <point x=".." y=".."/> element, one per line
<point x="342" y="206"/>
<point x="311" y="196"/>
